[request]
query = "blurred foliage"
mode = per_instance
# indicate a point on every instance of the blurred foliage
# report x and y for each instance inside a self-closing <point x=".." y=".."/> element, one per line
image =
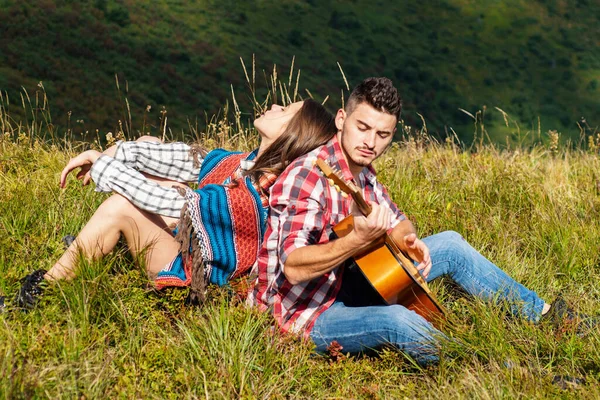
<point x="530" y="58"/>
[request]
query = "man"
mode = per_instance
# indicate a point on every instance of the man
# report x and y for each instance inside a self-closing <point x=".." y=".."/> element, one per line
<point x="302" y="277"/>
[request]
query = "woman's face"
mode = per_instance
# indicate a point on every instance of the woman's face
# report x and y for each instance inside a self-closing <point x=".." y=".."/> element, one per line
<point x="273" y="122"/>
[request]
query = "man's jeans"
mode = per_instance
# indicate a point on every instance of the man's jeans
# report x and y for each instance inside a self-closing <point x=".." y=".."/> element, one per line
<point x="360" y="329"/>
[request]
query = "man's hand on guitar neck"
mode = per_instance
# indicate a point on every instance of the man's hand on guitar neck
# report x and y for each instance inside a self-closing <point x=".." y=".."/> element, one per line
<point x="370" y="228"/>
<point x="405" y="237"/>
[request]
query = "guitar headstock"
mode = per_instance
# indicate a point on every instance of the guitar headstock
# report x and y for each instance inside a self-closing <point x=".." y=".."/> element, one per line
<point x="335" y="175"/>
<point x="346" y="187"/>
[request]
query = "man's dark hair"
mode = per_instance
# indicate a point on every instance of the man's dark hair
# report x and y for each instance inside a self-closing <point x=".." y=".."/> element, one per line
<point x="379" y="93"/>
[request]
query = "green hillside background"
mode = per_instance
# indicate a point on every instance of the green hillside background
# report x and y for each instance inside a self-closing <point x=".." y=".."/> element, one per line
<point x="529" y="58"/>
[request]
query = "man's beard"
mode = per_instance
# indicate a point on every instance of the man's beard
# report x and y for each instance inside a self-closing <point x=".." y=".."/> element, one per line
<point x="361" y="161"/>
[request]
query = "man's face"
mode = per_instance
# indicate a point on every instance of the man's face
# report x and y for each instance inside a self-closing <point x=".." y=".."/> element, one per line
<point x="365" y="134"/>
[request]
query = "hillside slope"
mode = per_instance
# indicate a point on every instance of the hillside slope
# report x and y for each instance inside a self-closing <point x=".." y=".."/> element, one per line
<point x="104" y="335"/>
<point x="529" y="58"/>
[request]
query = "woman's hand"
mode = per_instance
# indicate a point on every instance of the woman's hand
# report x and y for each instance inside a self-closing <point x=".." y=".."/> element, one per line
<point x="84" y="161"/>
<point x="84" y="173"/>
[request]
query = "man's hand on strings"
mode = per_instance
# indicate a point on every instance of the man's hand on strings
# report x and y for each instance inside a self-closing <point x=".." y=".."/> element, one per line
<point x="84" y="161"/>
<point x="417" y="250"/>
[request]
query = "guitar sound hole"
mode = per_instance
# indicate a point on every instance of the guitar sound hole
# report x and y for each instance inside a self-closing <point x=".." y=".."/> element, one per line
<point x="356" y="291"/>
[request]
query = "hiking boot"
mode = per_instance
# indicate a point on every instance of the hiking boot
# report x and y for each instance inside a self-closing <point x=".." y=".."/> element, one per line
<point x="31" y="289"/>
<point x="564" y="318"/>
<point x="568" y="382"/>
<point x="67" y="240"/>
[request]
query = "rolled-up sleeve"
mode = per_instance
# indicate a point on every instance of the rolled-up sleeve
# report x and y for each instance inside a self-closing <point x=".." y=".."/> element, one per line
<point x="166" y="160"/>
<point x="111" y="175"/>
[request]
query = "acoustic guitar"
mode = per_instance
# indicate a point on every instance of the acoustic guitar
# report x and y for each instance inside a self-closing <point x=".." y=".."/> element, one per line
<point x="384" y="266"/>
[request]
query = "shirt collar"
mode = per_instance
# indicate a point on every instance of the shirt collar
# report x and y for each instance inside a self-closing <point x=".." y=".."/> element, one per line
<point x="249" y="161"/>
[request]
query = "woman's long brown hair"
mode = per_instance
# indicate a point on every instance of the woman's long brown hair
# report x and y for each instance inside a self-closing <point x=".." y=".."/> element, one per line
<point x="311" y="127"/>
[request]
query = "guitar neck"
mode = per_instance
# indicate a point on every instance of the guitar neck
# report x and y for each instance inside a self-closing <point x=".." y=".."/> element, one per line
<point x="363" y="206"/>
<point x="336" y="180"/>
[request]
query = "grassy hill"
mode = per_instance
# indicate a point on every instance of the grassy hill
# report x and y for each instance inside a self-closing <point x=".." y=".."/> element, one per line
<point x="534" y="212"/>
<point x="529" y="58"/>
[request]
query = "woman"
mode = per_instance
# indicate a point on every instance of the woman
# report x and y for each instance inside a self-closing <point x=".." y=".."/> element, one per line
<point x="222" y="222"/>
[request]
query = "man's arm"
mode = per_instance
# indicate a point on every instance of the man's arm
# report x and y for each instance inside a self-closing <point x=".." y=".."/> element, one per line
<point x="312" y="261"/>
<point x="402" y="229"/>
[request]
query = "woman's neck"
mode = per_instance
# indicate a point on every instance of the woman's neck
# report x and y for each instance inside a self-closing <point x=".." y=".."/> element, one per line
<point x="264" y="144"/>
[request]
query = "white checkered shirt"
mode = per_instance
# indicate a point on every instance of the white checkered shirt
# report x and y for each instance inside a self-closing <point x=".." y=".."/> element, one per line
<point x="123" y="174"/>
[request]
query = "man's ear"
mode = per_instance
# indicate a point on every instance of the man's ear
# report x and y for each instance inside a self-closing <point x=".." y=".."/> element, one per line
<point x="340" y="117"/>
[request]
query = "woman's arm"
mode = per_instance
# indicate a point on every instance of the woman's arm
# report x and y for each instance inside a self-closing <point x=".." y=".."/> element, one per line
<point x="172" y="161"/>
<point x="111" y="175"/>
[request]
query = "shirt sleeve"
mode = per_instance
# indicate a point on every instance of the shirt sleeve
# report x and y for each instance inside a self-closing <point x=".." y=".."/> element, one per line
<point x="111" y="175"/>
<point x="301" y="216"/>
<point x="166" y="160"/>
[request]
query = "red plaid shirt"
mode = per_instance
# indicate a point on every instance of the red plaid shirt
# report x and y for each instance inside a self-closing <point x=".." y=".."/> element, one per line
<point x="304" y="209"/>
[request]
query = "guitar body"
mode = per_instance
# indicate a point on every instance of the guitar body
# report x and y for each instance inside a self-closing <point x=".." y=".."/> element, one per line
<point x="385" y="272"/>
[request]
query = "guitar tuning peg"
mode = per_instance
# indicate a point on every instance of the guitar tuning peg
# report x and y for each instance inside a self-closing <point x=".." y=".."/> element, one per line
<point x="336" y="187"/>
<point x="331" y="182"/>
<point x="344" y="195"/>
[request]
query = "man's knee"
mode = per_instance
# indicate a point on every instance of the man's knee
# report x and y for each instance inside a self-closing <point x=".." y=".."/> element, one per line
<point x="450" y="245"/>
<point x="452" y="236"/>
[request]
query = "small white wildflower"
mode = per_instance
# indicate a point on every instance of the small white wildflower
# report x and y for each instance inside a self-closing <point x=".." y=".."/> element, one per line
<point x="110" y="140"/>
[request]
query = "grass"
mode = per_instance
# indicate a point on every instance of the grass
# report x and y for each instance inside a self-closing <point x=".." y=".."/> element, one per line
<point x="535" y="211"/>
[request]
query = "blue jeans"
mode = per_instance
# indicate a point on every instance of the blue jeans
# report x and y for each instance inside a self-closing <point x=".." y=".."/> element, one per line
<point x="361" y="329"/>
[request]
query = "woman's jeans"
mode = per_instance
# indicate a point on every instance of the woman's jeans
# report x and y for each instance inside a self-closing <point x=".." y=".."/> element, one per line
<point x="361" y="329"/>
